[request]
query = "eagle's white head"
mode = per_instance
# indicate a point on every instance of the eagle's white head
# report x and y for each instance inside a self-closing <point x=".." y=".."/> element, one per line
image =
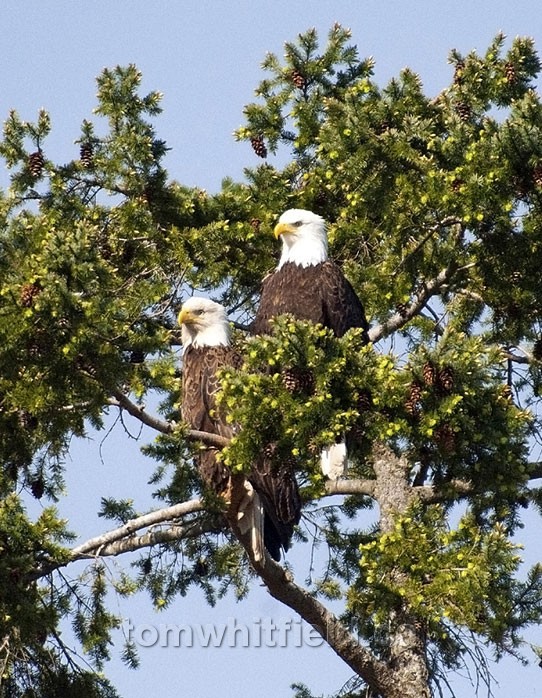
<point x="304" y="238"/>
<point x="204" y="323"/>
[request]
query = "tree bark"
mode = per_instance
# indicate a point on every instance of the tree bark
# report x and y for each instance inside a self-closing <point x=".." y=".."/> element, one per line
<point x="404" y="673"/>
<point x="407" y="649"/>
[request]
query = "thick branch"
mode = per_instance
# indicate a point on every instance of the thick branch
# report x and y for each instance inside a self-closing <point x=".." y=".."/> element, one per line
<point x="122" y="539"/>
<point x="366" y="487"/>
<point x="427" y="493"/>
<point x="158" y="537"/>
<point x="151" y="519"/>
<point x="282" y="587"/>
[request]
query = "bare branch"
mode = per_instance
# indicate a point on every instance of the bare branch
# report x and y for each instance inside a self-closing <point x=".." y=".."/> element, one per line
<point x="151" y="519"/>
<point x="157" y="537"/>
<point x="137" y="411"/>
<point x="398" y="320"/>
<point x="213" y="440"/>
<point x="366" y="487"/>
<point x="122" y="539"/>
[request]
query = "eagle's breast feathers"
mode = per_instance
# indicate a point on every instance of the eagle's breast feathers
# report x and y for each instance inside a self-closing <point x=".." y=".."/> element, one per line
<point x="319" y="293"/>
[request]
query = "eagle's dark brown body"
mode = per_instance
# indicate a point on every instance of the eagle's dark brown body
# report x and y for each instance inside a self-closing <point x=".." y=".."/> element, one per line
<point x="199" y="410"/>
<point x="319" y="293"/>
<point x="277" y="488"/>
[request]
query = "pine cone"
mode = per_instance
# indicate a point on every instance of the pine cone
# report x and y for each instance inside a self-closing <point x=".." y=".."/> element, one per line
<point x="82" y="364"/>
<point x="365" y="401"/>
<point x="446" y="379"/>
<point x="28" y="293"/>
<point x="298" y="380"/>
<point x="297" y="78"/>
<point x="258" y="146"/>
<point x="463" y="110"/>
<point x="39" y="344"/>
<point x="86" y="155"/>
<point x="255" y="223"/>
<point x="201" y="567"/>
<point x="458" y="72"/>
<point x="510" y="73"/>
<point x="429" y="373"/>
<point x="36" y="161"/>
<point x="445" y="437"/>
<point x="37" y="487"/>
<point x="412" y="405"/>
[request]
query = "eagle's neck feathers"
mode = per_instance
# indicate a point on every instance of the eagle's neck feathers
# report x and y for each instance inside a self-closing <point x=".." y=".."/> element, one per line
<point x="306" y="251"/>
<point x="217" y="335"/>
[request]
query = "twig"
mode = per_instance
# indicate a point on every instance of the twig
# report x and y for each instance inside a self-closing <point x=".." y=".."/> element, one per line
<point x="165" y="427"/>
<point x="398" y="320"/>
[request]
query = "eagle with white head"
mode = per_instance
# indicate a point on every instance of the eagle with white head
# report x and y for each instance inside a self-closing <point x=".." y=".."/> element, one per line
<point x="309" y="286"/>
<point x="269" y="505"/>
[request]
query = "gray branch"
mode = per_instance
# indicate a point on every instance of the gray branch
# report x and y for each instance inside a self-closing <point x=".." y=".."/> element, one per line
<point x="153" y="518"/>
<point x="123" y="401"/>
<point x="398" y="320"/>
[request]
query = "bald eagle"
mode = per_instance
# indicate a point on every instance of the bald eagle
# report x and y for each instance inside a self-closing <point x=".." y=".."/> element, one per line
<point x="269" y="505"/>
<point x="307" y="285"/>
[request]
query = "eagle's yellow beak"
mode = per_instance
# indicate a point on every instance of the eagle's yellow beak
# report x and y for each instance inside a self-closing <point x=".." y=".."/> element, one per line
<point x="282" y="229"/>
<point x="185" y="317"/>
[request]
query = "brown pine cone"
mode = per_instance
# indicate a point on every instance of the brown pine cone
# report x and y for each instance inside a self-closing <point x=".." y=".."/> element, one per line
<point x="446" y="379"/>
<point x="36" y="161"/>
<point x="28" y="293"/>
<point x="297" y="78"/>
<point x="429" y="373"/>
<point x="258" y="146"/>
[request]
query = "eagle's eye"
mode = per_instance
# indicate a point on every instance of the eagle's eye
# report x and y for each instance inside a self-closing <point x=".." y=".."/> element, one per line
<point x="199" y="311"/>
<point x="297" y="224"/>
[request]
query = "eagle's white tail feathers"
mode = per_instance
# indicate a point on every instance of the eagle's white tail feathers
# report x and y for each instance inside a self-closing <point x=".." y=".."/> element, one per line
<point x="250" y="518"/>
<point x="334" y="461"/>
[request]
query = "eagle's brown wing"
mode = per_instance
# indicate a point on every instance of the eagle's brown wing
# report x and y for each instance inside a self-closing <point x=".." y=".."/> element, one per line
<point x="343" y="309"/>
<point x="199" y="408"/>
<point x="279" y="492"/>
<point x="277" y="487"/>
<point x="319" y="293"/>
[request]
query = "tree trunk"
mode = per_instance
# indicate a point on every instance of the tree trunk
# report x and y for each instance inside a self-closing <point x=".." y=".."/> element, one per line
<point x="407" y="658"/>
<point x="404" y="673"/>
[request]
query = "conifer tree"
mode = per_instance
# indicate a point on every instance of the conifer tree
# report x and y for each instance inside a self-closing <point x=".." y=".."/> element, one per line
<point x="435" y="208"/>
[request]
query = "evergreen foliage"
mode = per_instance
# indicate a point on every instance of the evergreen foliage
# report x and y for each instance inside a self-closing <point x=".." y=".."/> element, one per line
<point x="435" y="211"/>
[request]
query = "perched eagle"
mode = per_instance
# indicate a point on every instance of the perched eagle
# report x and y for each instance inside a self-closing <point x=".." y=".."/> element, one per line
<point x="269" y="505"/>
<point x="307" y="285"/>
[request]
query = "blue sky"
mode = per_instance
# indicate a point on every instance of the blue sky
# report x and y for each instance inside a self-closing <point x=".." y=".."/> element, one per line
<point x="205" y="57"/>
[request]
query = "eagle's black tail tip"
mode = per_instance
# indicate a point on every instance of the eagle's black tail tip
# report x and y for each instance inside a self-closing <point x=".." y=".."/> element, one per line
<point x="276" y="540"/>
